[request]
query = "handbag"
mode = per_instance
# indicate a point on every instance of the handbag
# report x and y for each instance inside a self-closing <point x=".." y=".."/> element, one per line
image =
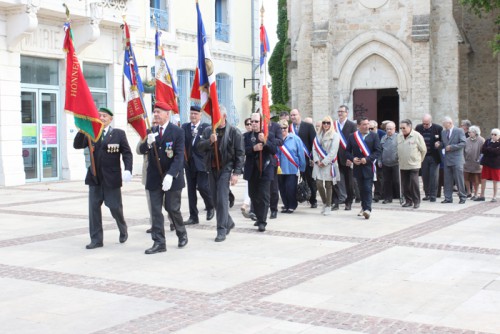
<point x="303" y="191"/>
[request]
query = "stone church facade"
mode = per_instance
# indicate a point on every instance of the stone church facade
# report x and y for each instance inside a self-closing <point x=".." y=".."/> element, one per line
<point x="393" y="59"/>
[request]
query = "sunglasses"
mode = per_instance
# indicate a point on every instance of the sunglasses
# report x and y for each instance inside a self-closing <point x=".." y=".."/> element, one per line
<point x="285" y="128"/>
<point x="494" y="134"/>
<point x="247" y="124"/>
<point x="370" y="129"/>
<point x="254" y="121"/>
<point x="327" y="123"/>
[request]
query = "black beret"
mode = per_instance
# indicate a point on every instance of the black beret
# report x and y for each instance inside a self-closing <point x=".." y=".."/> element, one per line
<point x="106" y="110"/>
<point x="195" y="108"/>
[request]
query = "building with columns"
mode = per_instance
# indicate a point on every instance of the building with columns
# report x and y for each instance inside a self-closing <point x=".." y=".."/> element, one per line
<point x="393" y="59"/>
<point x="36" y="135"/>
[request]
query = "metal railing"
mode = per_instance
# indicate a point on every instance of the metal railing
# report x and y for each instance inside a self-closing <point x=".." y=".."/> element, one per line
<point x="161" y="16"/>
<point x="222" y="32"/>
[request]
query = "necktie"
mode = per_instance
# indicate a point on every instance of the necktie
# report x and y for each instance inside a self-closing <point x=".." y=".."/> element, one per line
<point x="161" y="132"/>
<point x="192" y="129"/>
<point x="449" y="134"/>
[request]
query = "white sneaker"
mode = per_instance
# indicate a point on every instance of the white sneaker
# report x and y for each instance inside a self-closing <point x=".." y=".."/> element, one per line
<point x="366" y="214"/>
<point x="323" y="209"/>
<point x="328" y="211"/>
<point x="360" y="214"/>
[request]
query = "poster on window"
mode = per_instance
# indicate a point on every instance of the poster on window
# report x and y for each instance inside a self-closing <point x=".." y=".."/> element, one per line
<point x="49" y="133"/>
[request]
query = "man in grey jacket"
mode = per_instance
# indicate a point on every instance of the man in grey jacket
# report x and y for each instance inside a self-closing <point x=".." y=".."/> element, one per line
<point x="389" y="163"/>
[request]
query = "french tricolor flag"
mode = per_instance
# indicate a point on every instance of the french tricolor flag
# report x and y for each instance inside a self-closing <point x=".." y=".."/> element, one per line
<point x="165" y="88"/>
<point x="264" y="93"/>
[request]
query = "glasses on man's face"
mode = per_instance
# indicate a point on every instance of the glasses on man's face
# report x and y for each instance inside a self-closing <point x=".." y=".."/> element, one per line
<point x="371" y="129"/>
<point x="326" y="123"/>
<point x="284" y="128"/>
<point x="494" y="134"/>
<point x="248" y="124"/>
<point x="252" y="121"/>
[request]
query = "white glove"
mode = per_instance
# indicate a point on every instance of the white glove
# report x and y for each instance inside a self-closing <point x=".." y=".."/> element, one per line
<point x="152" y="138"/>
<point x="167" y="182"/>
<point x="126" y="176"/>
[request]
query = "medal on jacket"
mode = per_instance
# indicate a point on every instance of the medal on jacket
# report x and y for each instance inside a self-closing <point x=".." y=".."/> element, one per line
<point x="113" y="148"/>
<point x="169" y="149"/>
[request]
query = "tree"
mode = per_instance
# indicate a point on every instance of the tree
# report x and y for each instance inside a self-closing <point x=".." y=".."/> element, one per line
<point x="486" y="6"/>
<point x="279" y="58"/>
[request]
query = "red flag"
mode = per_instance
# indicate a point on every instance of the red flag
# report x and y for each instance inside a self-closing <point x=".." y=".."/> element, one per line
<point x="165" y="88"/>
<point x="264" y="94"/>
<point x="78" y="100"/>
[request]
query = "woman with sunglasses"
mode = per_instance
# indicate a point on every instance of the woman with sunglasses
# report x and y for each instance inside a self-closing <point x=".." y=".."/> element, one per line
<point x="326" y="170"/>
<point x="491" y="164"/>
<point x="291" y="160"/>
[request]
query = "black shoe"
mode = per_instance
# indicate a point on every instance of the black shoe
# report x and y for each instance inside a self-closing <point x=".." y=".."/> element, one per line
<point x="157" y="248"/>
<point x="210" y="214"/>
<point x="290" y="211"/>
<point x="358" y="200"/>
<point x="220" y="238"/>
<point x="93" y="245"/>
<point x="231" y="201"/>
<point x="386" y="201"/>
<point x="314" y="205"/>
<point x="479" y="199"/>
<point x="274" y="214"/>
<point x="335" y="207"/>
<point x="416" y="205"/>
<point x="446" y="201"/>
<point x="284" y="210"/>
<point x="407" y="205"/>
<point x="149" y="230"/>
<point x="183" y="240"/>
<point x="191" y="221"/>
<point x="230" y="228"/>
<point x="433" y="199"/>
<point x="123" y="237"/>
<point x="262" y="227"/>
<point x="253" y="216"/>
<point x="347" y="207"/>
<point x="462" y="201"/>
<point x="172" y="227"/>
<point x="426" y="198"/>
<point x="376" y="200"/>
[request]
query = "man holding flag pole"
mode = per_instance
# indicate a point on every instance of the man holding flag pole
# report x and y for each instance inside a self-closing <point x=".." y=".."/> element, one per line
<point x="105" y="144"/>
<point x="221" y="143"/>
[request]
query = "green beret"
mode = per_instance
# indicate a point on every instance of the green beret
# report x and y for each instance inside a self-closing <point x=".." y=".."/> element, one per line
<point x="106" y="110"/>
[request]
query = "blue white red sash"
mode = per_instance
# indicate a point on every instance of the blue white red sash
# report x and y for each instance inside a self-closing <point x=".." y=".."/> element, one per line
<point x="322" y="154"/>
<point x="306" y="151"/>
<point x="288" y="155"/>
<point x="363" y="147"/>
<point x="343" y="141"/>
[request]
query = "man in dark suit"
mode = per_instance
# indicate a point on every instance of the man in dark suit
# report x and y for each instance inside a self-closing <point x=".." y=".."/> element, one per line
<point x="362" y="151"/>
<point x="196" y="174"/>
<point x="231" y="154"/>
<point x="430" y="166"/>
<point x="165" y="179"/>
<point x="259" y="168"/>
<point x="306" y="133"/>
<point x="452" y="146"/>
<point x="275" y="130"/>
<point x="345" y="128"/>
<point x="105" y="186"/>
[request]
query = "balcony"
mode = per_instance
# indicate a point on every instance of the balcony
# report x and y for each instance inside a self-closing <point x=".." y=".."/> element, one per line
<point x="161" y="16"/>
<point x="222" y="32"/>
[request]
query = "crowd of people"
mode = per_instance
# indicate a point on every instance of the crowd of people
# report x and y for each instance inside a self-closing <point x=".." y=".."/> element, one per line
<point x="341" y="160"/>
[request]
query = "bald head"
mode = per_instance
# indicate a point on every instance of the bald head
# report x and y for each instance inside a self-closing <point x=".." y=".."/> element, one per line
<point x="295" y="116"/>
<point x="426" y="121"/>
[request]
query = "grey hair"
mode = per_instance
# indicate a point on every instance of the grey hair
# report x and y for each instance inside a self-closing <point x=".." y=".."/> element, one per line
<point x="475" y="129"/>
<point x="447" y="119"/>
<point x="466" y="122"/>
<point x="496" y="131"/>
<point x="223" y="110"/>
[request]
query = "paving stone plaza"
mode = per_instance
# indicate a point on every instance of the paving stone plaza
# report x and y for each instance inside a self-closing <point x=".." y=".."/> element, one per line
<point x="431" y="270"/>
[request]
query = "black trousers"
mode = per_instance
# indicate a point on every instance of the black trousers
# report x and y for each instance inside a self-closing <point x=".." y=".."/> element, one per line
<point x="409" y="182"/>
<point x="349" y="183"/>
<point x="391" y="182"/>
<point x="172" y="201"/>
<point x="219" y="185"/>
<point x="259" y="192"/>
<point x="112" y="198"/>
<point x="275" y="192"/>
<point x="197" y="180"/>
<point x="307" y="175"/>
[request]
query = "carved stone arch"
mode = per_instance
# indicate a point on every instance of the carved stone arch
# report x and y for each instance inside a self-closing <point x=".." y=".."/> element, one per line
<point x="360" y="48"/>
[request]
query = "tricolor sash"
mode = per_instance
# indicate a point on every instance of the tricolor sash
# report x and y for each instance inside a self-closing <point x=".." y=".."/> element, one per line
<point x="343" y="141"/>
<point x="288" y="155"/>
<point x="306" y="151"/>
<point x="322" y="154"/>
<point x="363" y="147"/>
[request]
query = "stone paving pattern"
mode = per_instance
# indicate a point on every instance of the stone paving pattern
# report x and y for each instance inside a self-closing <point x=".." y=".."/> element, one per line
<point x="431" y="270"/>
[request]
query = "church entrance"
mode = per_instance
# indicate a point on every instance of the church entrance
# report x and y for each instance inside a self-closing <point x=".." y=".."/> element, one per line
<point x="377" y="104"/>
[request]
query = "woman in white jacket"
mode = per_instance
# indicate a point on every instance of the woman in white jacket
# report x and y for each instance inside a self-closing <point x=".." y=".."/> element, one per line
<point x="326" y="169"/>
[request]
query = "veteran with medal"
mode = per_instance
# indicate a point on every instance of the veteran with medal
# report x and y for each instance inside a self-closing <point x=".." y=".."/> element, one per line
<point x="165" y="176"/>
<point x="104" y="187"/>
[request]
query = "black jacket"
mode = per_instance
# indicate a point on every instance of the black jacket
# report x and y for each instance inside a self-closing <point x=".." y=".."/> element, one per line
<point x="107" y="152"/>
<point x="252" y="160"/>
<point x="232" y="153"/>
<point x="353" y="151"/>
<point x="435" y="131"/>
<point x="349" y="128"/>
<point x="170" y="150"/>
<point x="193" y="159"/>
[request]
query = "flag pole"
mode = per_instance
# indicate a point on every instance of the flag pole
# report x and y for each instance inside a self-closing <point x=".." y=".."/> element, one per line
<point x="89" y="140"/>
<point x="262" y="111"/>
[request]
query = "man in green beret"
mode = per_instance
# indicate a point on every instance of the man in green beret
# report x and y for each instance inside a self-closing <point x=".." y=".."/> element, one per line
<point x="105" y="186"/>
